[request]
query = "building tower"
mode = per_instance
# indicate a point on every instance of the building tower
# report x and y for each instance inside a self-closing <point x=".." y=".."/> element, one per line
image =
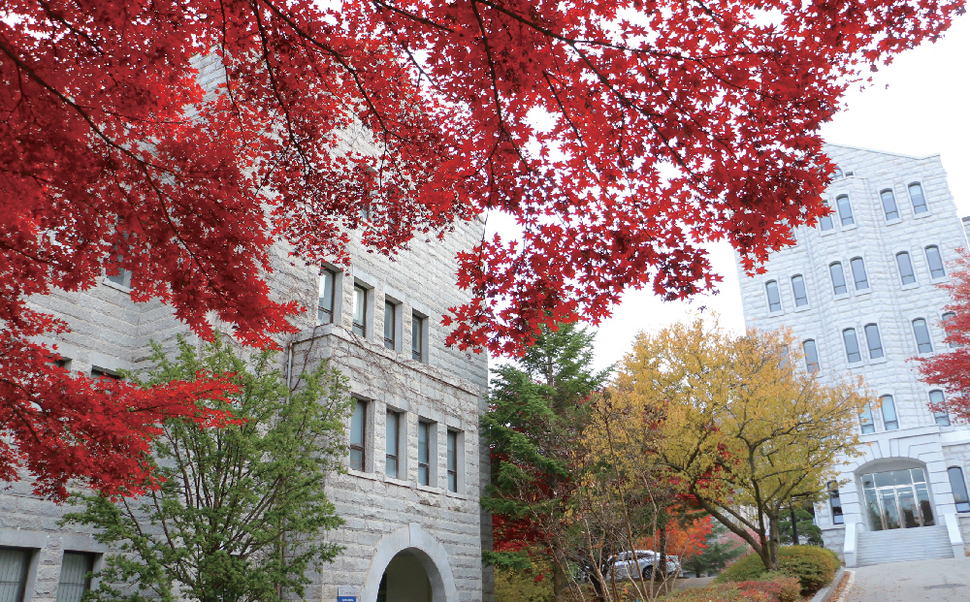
<point x="859" y="292"/>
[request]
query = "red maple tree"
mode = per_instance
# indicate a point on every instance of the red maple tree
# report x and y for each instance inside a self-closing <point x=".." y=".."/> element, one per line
<point x="621" y="135"/>
<point x="952" y="370"/>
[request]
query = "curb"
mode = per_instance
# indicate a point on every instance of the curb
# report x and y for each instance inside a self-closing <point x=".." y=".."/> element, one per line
<point x="826" y="592"/>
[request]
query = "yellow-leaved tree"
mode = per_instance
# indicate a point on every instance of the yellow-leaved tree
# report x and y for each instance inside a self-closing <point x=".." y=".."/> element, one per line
<point x="739" y="425"/>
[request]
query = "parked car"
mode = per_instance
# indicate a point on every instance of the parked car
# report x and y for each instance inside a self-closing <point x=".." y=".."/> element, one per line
<point x="639" y="564"/>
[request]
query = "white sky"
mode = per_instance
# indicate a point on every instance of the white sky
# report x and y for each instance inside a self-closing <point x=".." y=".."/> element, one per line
<point x="918" y="106"/>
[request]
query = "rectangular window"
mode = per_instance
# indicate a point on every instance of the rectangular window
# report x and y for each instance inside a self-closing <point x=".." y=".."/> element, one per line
<point x="328" y="280"/>
<point x="425" y="437"/>
<point x="874" y="341"/>
<point x="97" y="372"/>
<point x="916" y="195"/>
<point x="393" y="443"/>
<point x="905" y="265"/>
<point x="959" y="488"/>
<point x="417" y="337"/>
<point x="453" y="453"/>
<point x="774" y="299"/>
<point x="811" y="355"/>
<point x="845" y="210"/>
<point x="75" y="568"/>
<point x="935" y="262"/>
<point x="825" y="222"/>
<point x="798" y="290"/>
<point x="14" y="567"/>
<point x="360" y="310"/>
<point x="922" y="334"/>
<point x="358" y="435"/>
<point x="852" y="352"/>
<point x="940" y="416"/>
<point x="390" y="325"/>
<point x="889" y="205"/>
<point x="835" y="502"/>
<point x="866" y="421"/>
<point x="889" y="420"/>
<point x="859" y="273"/>
<point x="949" y="327"/>
<point x="838" y="278"/>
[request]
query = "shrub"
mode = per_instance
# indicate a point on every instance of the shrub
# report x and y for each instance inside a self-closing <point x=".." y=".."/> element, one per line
<point x="779" y="588"/>
<point x="723" y="592"/>
<point x="813" y="567"/>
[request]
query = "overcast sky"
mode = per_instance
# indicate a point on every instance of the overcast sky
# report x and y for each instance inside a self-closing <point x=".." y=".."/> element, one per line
<point x="917" y="106"/>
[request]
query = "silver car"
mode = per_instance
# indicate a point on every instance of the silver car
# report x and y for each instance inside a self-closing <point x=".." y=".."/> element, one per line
<point x="636" y="564"/>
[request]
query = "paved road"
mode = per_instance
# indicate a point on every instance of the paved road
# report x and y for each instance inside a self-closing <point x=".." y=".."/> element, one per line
<point x="945" y="580"/>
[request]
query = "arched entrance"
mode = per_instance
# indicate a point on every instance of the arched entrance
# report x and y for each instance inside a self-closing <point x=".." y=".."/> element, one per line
<point x="409" y="566"/>
<point x="896" y="495"/>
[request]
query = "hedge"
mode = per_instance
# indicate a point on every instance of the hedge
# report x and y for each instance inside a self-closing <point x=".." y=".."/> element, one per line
<point x="774" y="589"/>
<point x="814" y="567"/>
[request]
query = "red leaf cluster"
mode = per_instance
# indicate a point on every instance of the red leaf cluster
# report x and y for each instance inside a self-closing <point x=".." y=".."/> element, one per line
<point x="620" y="134"/>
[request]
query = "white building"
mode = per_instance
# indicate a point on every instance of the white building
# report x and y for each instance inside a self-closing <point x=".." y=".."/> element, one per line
<point x="860" y="292"/>
<point x="414" y="527"/>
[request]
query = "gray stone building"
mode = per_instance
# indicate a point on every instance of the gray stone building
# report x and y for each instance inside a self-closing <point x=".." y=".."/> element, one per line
<point x="859" y="291"/>
<point x="414" y="527"/>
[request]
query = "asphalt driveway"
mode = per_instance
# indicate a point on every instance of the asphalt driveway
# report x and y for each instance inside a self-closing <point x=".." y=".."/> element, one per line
<point x="945" y="580"/>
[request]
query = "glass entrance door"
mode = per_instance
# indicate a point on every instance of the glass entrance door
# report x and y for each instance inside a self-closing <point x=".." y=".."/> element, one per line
<point x="897" y="499"/>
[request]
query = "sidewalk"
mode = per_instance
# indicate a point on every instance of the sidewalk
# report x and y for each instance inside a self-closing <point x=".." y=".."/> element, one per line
<point x="945" y="580"/>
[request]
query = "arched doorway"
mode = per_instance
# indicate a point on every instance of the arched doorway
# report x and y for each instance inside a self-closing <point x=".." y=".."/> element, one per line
<point x="896" y="495"/>
<point x="410" y="566"/>
<point x="404" y="580"/>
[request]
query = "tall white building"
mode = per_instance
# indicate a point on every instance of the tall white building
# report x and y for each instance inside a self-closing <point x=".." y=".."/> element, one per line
<point x="859" y="291"/>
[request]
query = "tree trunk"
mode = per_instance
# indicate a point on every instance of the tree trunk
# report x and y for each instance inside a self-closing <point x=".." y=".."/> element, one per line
<point x="774" y="534"/>
<point x="560" y="586"/>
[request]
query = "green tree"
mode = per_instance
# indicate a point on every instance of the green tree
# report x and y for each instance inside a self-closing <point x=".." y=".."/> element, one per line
<point x="533" y="426"/>
<point x="808" y="532"/>
<point x="239" y="512"/>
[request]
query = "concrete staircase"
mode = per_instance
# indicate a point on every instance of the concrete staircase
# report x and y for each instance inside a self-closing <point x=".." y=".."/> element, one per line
<point x="894" y="545"/>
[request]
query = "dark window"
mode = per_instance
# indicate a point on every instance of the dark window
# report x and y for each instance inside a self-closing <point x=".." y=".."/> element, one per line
<point x="873" y="341"/>
<point x="360" y="310"/>
<point x="798" y="290"/>
<point x="859" y="273"/>
<point x="774" y="299"/>
<point x="916" y="195"/>
<point x="889" y="420"/>
<point x="358" y="435"/>
<point x="852" y="352"/>
<point x="959" y="488"/>
<point x="14" y="564"/>
<point x="889" y="205"/>
<point x="102" y="373"/>
<point x="835" y="503"/>
<point x="75" y="568"/>
<point x="424" y="453"/>
<point x="328" y="279"/>
<point x="393" y="442"/>
<point x="417" y="336"/>
<point x="866" y="421"/>
<point x="922" y="334"/>
<point x="811" y="355"/>
<point x="935" y="262"/>
<point x="825" y="222"/>
<point x="845" y="210"/>
<point x="838" y="278"/>
<point x="948" y="326"/>
<point x="941" y="417"/>
<point x="905" y="266"/>
<point x="453" y="461"/>
<point x="390" y="325"/>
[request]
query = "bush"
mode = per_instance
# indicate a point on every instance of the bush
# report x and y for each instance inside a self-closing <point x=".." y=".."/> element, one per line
<point x="521" y="585"/>
<point x="723" y="592"/>
<point x="779" y="588"/>
<point x="813" y="567"/>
